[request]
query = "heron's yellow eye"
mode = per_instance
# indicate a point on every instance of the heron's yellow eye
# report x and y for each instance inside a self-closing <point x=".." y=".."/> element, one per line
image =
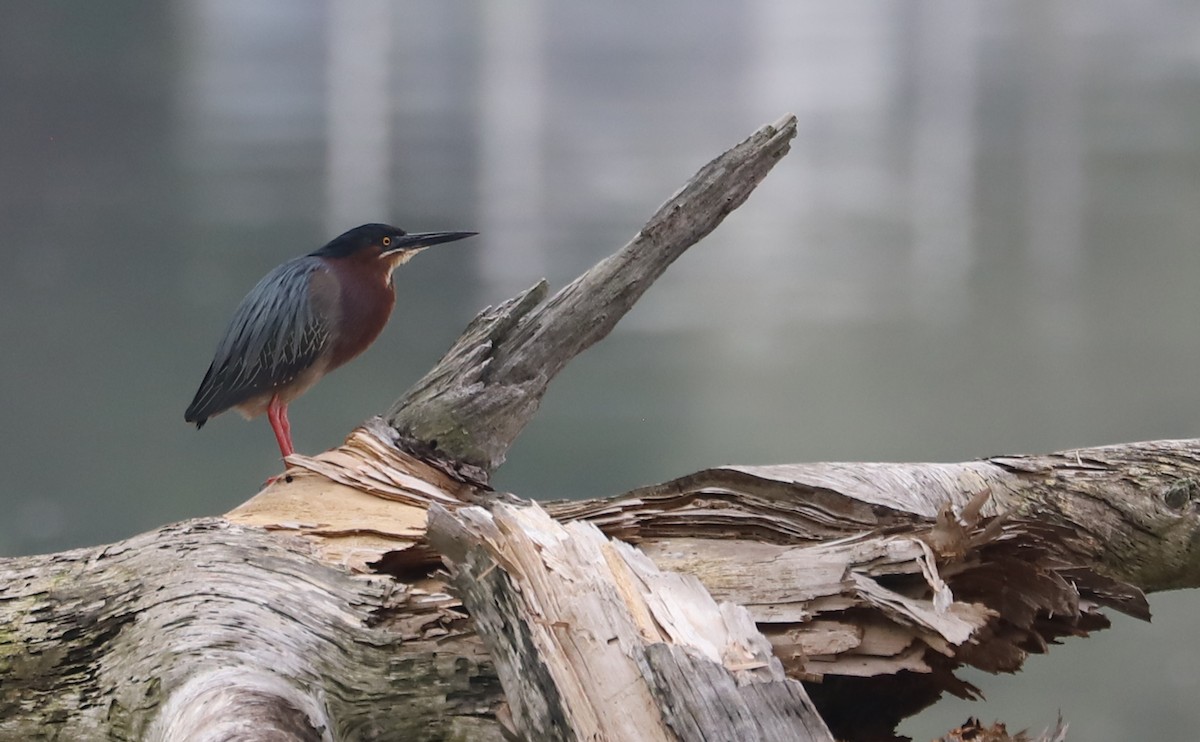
<point x="387" y="241"/>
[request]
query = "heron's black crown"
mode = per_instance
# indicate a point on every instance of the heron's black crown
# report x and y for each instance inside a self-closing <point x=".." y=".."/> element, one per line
<point x="359" y="238"/>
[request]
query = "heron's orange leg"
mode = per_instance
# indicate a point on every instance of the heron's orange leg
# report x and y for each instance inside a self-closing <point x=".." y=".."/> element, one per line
<point x="277" y="414"/>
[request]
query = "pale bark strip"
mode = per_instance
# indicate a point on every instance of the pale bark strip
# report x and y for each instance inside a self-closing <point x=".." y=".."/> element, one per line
<point x="472" y="406"/>
<point x="593" y="641"/>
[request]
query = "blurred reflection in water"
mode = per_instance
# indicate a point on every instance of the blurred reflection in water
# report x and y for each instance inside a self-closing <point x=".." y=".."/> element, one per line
<point x="983" y="241"/>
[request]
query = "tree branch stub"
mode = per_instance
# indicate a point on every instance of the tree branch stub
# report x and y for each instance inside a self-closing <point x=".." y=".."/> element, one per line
<point x="471" y="407"/>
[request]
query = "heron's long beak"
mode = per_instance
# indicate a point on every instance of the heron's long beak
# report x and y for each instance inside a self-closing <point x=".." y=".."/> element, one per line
<point x="415" y="243"/>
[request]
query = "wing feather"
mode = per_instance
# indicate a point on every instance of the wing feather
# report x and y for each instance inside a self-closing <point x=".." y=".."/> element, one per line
<point x="278" y="331"/>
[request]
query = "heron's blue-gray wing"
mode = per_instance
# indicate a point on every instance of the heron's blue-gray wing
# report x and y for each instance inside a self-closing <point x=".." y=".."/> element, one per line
<point x="279" y="331"/>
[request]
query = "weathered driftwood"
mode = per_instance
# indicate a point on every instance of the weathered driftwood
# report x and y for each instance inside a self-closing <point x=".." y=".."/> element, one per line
<point x="840" y="565"/>
<point x="98" y="639"/>
<point x="318" y="609"/>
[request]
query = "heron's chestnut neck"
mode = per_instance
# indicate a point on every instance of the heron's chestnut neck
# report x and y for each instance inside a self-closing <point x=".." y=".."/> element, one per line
<point x="364" y="303"/>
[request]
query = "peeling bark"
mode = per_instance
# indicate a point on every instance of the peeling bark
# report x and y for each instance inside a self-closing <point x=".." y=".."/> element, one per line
<point x="660" y="660"/>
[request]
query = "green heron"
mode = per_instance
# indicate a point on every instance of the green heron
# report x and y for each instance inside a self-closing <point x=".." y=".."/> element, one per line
<point x="304" y="319"/>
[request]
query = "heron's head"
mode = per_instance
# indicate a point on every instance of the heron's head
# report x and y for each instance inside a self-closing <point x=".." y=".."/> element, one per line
<point x="390" y="245"/>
